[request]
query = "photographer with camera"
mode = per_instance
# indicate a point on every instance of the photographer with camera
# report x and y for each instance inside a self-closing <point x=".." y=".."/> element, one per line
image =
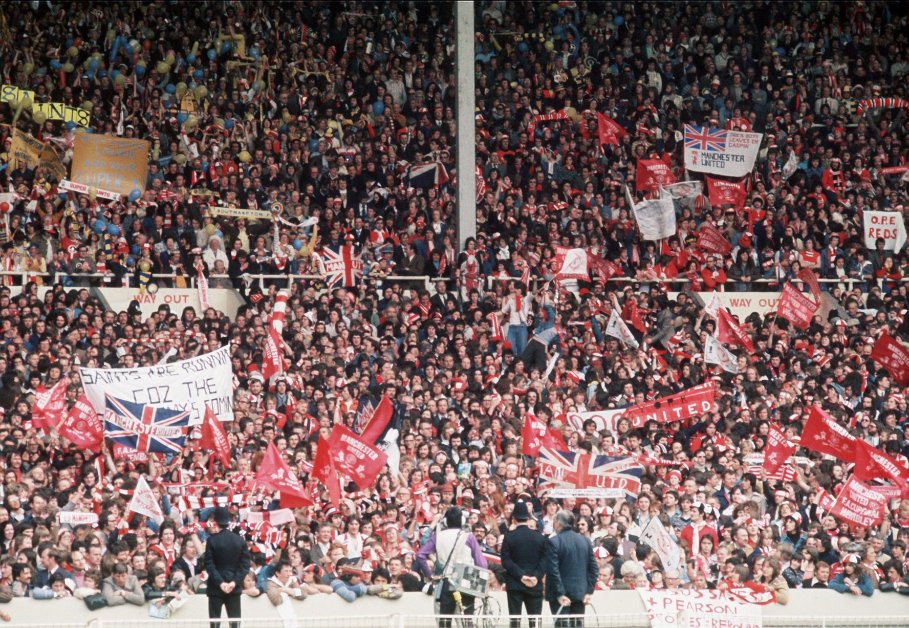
<point x="451" y="546"/>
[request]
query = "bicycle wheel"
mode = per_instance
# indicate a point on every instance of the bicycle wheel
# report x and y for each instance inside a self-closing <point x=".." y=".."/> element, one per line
<point x="490" y="612"/>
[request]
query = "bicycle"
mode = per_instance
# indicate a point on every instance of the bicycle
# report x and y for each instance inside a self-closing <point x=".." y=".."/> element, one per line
<point x="486" y="608"/>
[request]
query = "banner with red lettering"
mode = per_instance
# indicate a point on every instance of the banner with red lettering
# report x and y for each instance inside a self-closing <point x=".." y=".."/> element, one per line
<point x="795" y="307"/>
<point x="729" y="331"/>
<point x="358" y="461"/>
<point x="893" y="356"/>
<point x="602" y="419"/>
<point x="823" y="434"/>
<point x="777" y="451"/>
<point x="873" y="464"/>
<point x="652" y="174"/>
<point x="536" y="434"/>
<point x="723" y="192"/>
<point x="570" y="263"/>
<point x="859" y="504"/>
<point x="609" y="131"/>
<point x="677" y="407"/>
<point x="707" y="608"/>
<point x="712" y="240"/>
<point x="75" y="518"/>
<point x="887" y="225"/>
<point x="82" y="426"/>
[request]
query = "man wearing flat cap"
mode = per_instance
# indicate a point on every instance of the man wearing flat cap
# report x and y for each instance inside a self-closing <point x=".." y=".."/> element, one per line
<point x="227" y="563"/>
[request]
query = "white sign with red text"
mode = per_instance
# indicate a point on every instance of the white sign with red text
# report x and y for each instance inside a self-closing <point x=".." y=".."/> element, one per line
<point x="684" y="608"/>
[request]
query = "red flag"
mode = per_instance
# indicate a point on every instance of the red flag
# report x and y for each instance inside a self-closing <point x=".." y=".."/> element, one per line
<point x="354" y="458"/>
<point x="871" y="463"/>
<point x="49" y="406"/>
<point x="272" y="361"/>
<point x="632" y="315"/>
<point x="651" y="174"/>
<point x="214" y="438"/>
<point x="535" y="434"/>
<point x="777" y="450"/>
<point x="275" y="474"/>
<point x="374" y="429"/>
<point x="324" y="470"/>
<point x="609" y="131"/>
<point x="823" y="434"/>
<point x="807" y="275"/>
<point x="495" y="325"/>
<point x="859" y="503"/>
<point x="712" y="240"/>
<point x="729" y="331"/>
<point x="683" y="405"/>
<point x="893" y="356"/>
<point x="722" y="192"/>
<point x="795" y="307"/>
<point x="82" y="426"/>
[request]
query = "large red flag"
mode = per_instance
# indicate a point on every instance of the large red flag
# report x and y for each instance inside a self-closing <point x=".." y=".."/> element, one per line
<point x="859" y="504"/>
<point x="354" y="458"/>
<point x="871" y="463"/>
<point x="214" y="438"/>
<point x="729" y="331"/>
<point x="807" y="275"/>
<point x="777" y="451"/>
<point x="378" y="421"/>
<point x="275" y="474"/>
<point x="82" y="427"/>
<point x="823" y="434"/>
<point x="609" y="131"/>
<point x="324" y="470"/>
<point x="723" y="192"/>
<point x="651" y="174"/>
<point x="49" y="405"/>
<point x="893" y="356"/>
<point x="795" y="307"/>
<point x="535" y="434"/>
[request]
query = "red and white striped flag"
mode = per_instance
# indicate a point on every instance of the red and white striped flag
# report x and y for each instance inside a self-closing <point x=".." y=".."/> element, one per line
<point x="496" y="326"/>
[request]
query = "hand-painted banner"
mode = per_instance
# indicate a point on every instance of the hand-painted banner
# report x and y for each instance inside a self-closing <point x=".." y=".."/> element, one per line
<point x="678" y="407"/>
<point x="712" y="240"/>
<point x="78" y="188"/>
<point x="721" y="152"/>
<point x="893" y="356"/>
<point x="617" y="328"/>
<point x="656" y="218"/>
<point x="715" y="353"/>
<point x="859" y="504"/>
<point x="189" y="384"/>
<point x="602" y="419"/>
<point x="110" y="163"/>
<point x="891" y="226"/>
<point x="658" y="537"/>
<point x="701" y="608"/>
<point x="795" y="307"/>
<point x="74" y="518"/>
<point x="572" y="474"/>
<point x="50" y="110"/>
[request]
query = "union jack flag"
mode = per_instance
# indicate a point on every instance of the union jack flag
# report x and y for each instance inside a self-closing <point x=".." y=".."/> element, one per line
<point x="144" y="427"/>
<point x="342" y="268"/>
<point x="705" y="138"/>
<point x="571" y="474"/>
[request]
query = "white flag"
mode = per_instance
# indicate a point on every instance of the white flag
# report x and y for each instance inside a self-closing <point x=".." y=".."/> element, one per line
<point x="657" y="536"/>
<point x="656" y="217"/>
<point x="791" y="165"/>
<point x="145" y="503"/>
<point x="713" y="306"/>
<point x="684" y="189"/>
<point x="617" y="328"/>
<point x="715" y="353"/>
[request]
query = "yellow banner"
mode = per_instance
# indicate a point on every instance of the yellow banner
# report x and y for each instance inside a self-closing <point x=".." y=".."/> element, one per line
<point x="110" y="163"/>
<point x="50" y="161"/>
<point x="26" y="150"/>
<point x="52" y="110"/>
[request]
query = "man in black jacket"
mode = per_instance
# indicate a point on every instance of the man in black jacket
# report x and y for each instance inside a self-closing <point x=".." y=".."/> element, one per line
<point x="524" y="560"/>
<point x="227" y="563"/>
<point x="572" y="571"/>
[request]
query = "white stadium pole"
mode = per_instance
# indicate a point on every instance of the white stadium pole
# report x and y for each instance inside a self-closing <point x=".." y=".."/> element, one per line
<point x="466" y="112"/>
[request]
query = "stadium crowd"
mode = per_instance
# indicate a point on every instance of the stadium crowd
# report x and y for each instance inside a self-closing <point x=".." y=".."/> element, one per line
<point x="323" y="108"/>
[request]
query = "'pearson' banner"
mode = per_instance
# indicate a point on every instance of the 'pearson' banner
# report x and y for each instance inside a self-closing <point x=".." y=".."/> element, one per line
<point x="206" y="380"/>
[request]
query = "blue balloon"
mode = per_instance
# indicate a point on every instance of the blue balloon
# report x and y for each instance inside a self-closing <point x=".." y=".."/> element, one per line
<point x="134" y="249"/>
<point x="198" y="75"/>
<point x="218" y="233"/>
<point x="99" y="227"/>
<point x="140" y="71"/>
<point x="190" y="58"/>
<point x="170" y="88"/>
<point x="226" y="47"/>
<point x="70" y="126"/>
<point x="93" y="64"/>
<point x="55" y="65"/>
<point x="254" y="53"/>
<point x="522" y="47"/>
<point x="378" y="108"/>
<point x="298" y="244"/>
<point x="182" y="117"/>
<point x="135" y="195"/>
<point x="130" y="260"/>
<point x="113" y="230"/>
<point x="103" y="73"/>
<point x="114" y="73"/>
<point x="212" y="55"/>
<point x="229" y="124"/>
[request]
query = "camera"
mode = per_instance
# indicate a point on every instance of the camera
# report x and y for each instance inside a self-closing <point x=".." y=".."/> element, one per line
<point x="429" y="588"/>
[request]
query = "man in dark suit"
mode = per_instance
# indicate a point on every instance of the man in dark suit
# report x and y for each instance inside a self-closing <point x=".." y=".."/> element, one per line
<point x="572" y="571"/>
<point x="524" y="560"/>
<point x="227" y="563"/>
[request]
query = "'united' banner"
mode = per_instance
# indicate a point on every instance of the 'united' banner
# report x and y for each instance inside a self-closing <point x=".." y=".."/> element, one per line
<point x="712" y="240"/>
<point x="684" y="405"/>
<point x="572" y="474"/>
<point x="893" y="356"/>
<point x="726" y="193"/>
<point x="859" y="504"/>
<point x="721" y="152"/>
<point x="145" y="428"/>
<point x="795" y="307"/>
<point x="652" y="174"/>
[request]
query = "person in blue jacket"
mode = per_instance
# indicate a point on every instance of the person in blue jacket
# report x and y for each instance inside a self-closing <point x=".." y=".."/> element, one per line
<point x="853" y="578"/>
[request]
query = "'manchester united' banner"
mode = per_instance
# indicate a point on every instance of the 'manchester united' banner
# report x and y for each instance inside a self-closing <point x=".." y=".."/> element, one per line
<point x="718" y="151"/>
<point x="893" y="356"/>
<point x="570" y="474"/>
<point x="860" y="504"/>
<point x="683" y="405"/>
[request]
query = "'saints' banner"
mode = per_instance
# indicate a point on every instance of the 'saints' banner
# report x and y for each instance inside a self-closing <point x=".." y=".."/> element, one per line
<point x="718" y="151"/>
<point x="186" y="385"/>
